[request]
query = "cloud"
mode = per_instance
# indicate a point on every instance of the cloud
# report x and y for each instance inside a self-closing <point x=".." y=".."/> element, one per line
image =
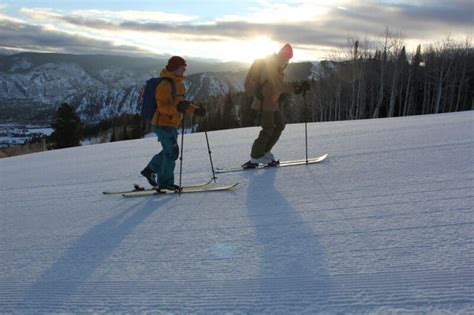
<point x="303" y="33"/>
<point x="286" y="12"/>
<point x="308" y="25"/>
<point x="107" y="15"/>
<point x="414" y="21"/>
<point x="317" y="22"/>
<point x="136" y="15"/>
<point x="453" y="12"/>
<point x="17" y="35"/>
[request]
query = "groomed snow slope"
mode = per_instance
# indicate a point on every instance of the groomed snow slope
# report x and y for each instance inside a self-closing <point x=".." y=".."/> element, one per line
<point x="384" y="225"/>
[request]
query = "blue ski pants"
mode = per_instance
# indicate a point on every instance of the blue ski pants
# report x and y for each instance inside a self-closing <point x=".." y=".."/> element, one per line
<point x="163" y="163"/>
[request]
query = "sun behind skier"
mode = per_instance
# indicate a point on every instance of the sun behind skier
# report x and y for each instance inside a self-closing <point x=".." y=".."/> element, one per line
<point x="265" y="82"/>
<point x="167" y="117"/>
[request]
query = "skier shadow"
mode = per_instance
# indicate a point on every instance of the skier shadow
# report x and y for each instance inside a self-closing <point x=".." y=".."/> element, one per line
<point x="58" y="284"/>
<point x="293" y="267"/>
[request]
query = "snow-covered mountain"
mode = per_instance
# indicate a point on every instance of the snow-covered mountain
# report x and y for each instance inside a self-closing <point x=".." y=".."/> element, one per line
<point x="201" y="86"/>
<point x="383" y="226"/>
<point x="33" y="85"/>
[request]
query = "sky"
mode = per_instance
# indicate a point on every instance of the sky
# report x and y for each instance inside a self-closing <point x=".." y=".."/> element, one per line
<point x="226" y="30"/>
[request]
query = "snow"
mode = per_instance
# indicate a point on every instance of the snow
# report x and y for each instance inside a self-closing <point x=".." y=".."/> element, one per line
<point x="22" y="64"/>
<point x="11" y="134"/>
<point x="383" y="226"/>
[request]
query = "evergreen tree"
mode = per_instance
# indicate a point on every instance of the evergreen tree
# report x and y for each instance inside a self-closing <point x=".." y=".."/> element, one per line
<point x="227" y="115"/>
<point x="247" y="114"/>
<point x="138" y="127"/>
<point x="67" y="127"/>
<point x="113" y="138"/>
<point x="125" y="133"/>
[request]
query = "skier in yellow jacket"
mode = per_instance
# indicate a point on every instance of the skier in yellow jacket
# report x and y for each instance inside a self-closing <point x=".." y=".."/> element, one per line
<point x="167" y="118"/>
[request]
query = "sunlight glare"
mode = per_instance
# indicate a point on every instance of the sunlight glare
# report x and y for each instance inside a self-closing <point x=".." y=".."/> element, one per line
<point x="258" y="47"/>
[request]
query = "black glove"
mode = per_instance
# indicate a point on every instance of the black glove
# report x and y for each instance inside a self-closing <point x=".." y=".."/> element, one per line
<point x="283" y="97"/>
<point x="303" y="87"/>
<point x="201" y="111"/>
<point x="183" y="106"/>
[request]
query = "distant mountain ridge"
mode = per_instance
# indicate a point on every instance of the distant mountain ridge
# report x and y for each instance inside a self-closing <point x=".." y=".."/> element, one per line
<point x="32" y="85"/>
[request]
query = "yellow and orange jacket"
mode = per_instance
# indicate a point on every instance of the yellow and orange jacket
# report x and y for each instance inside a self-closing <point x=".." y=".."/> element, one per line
<point x="167" y="114"/>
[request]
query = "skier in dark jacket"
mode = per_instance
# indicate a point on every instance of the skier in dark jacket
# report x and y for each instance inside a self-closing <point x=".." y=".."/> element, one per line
<point x="271" y="86"/>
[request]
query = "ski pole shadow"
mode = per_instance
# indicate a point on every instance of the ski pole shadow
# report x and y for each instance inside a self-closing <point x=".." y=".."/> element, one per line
<point x="293" y="263"/>
<point x="58" y="284"/>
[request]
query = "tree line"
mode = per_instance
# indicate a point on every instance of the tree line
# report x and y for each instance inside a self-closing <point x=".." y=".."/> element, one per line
<point x="364" y="82"/>
<point x="69" y="130"/>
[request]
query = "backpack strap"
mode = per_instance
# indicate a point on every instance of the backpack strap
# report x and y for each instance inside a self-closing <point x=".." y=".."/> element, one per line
<point x="173" y="86"/>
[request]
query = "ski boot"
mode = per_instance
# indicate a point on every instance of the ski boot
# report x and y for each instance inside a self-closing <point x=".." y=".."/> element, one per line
<point x="273" y="163"/>
<point x="171" y="187"/>
<point x="149" y="175"/>
<point x="249" y="164"/>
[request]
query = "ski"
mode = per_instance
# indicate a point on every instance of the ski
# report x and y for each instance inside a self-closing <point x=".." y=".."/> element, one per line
<point x="184" y="190"/>
<point x="138" y="188"/>
<point x="280" y="164"/>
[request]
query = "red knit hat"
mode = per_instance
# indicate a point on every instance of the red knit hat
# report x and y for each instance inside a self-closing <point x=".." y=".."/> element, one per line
<point x="175" y="62"/>
<point x="286" y="52"/>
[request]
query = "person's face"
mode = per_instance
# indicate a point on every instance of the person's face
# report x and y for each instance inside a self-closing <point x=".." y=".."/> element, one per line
<point x="180" y="71"/>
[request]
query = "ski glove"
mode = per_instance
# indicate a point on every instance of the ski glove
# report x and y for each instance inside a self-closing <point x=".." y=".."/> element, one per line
<point x="303" y="87"/>
<point x="183" y="106"/>
<point x="201" y="111"/>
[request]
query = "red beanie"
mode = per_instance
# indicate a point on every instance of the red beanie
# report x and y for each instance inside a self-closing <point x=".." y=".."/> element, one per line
<point x="286" y="52"/>
<point x="175" y="62"/>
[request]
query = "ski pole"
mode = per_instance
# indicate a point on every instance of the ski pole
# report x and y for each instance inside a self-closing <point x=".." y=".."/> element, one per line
<point x="306" y="124"/>
<point x="210" y="157"/>
<point x="208" y="149"/>
<point x="181" y="155"/>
